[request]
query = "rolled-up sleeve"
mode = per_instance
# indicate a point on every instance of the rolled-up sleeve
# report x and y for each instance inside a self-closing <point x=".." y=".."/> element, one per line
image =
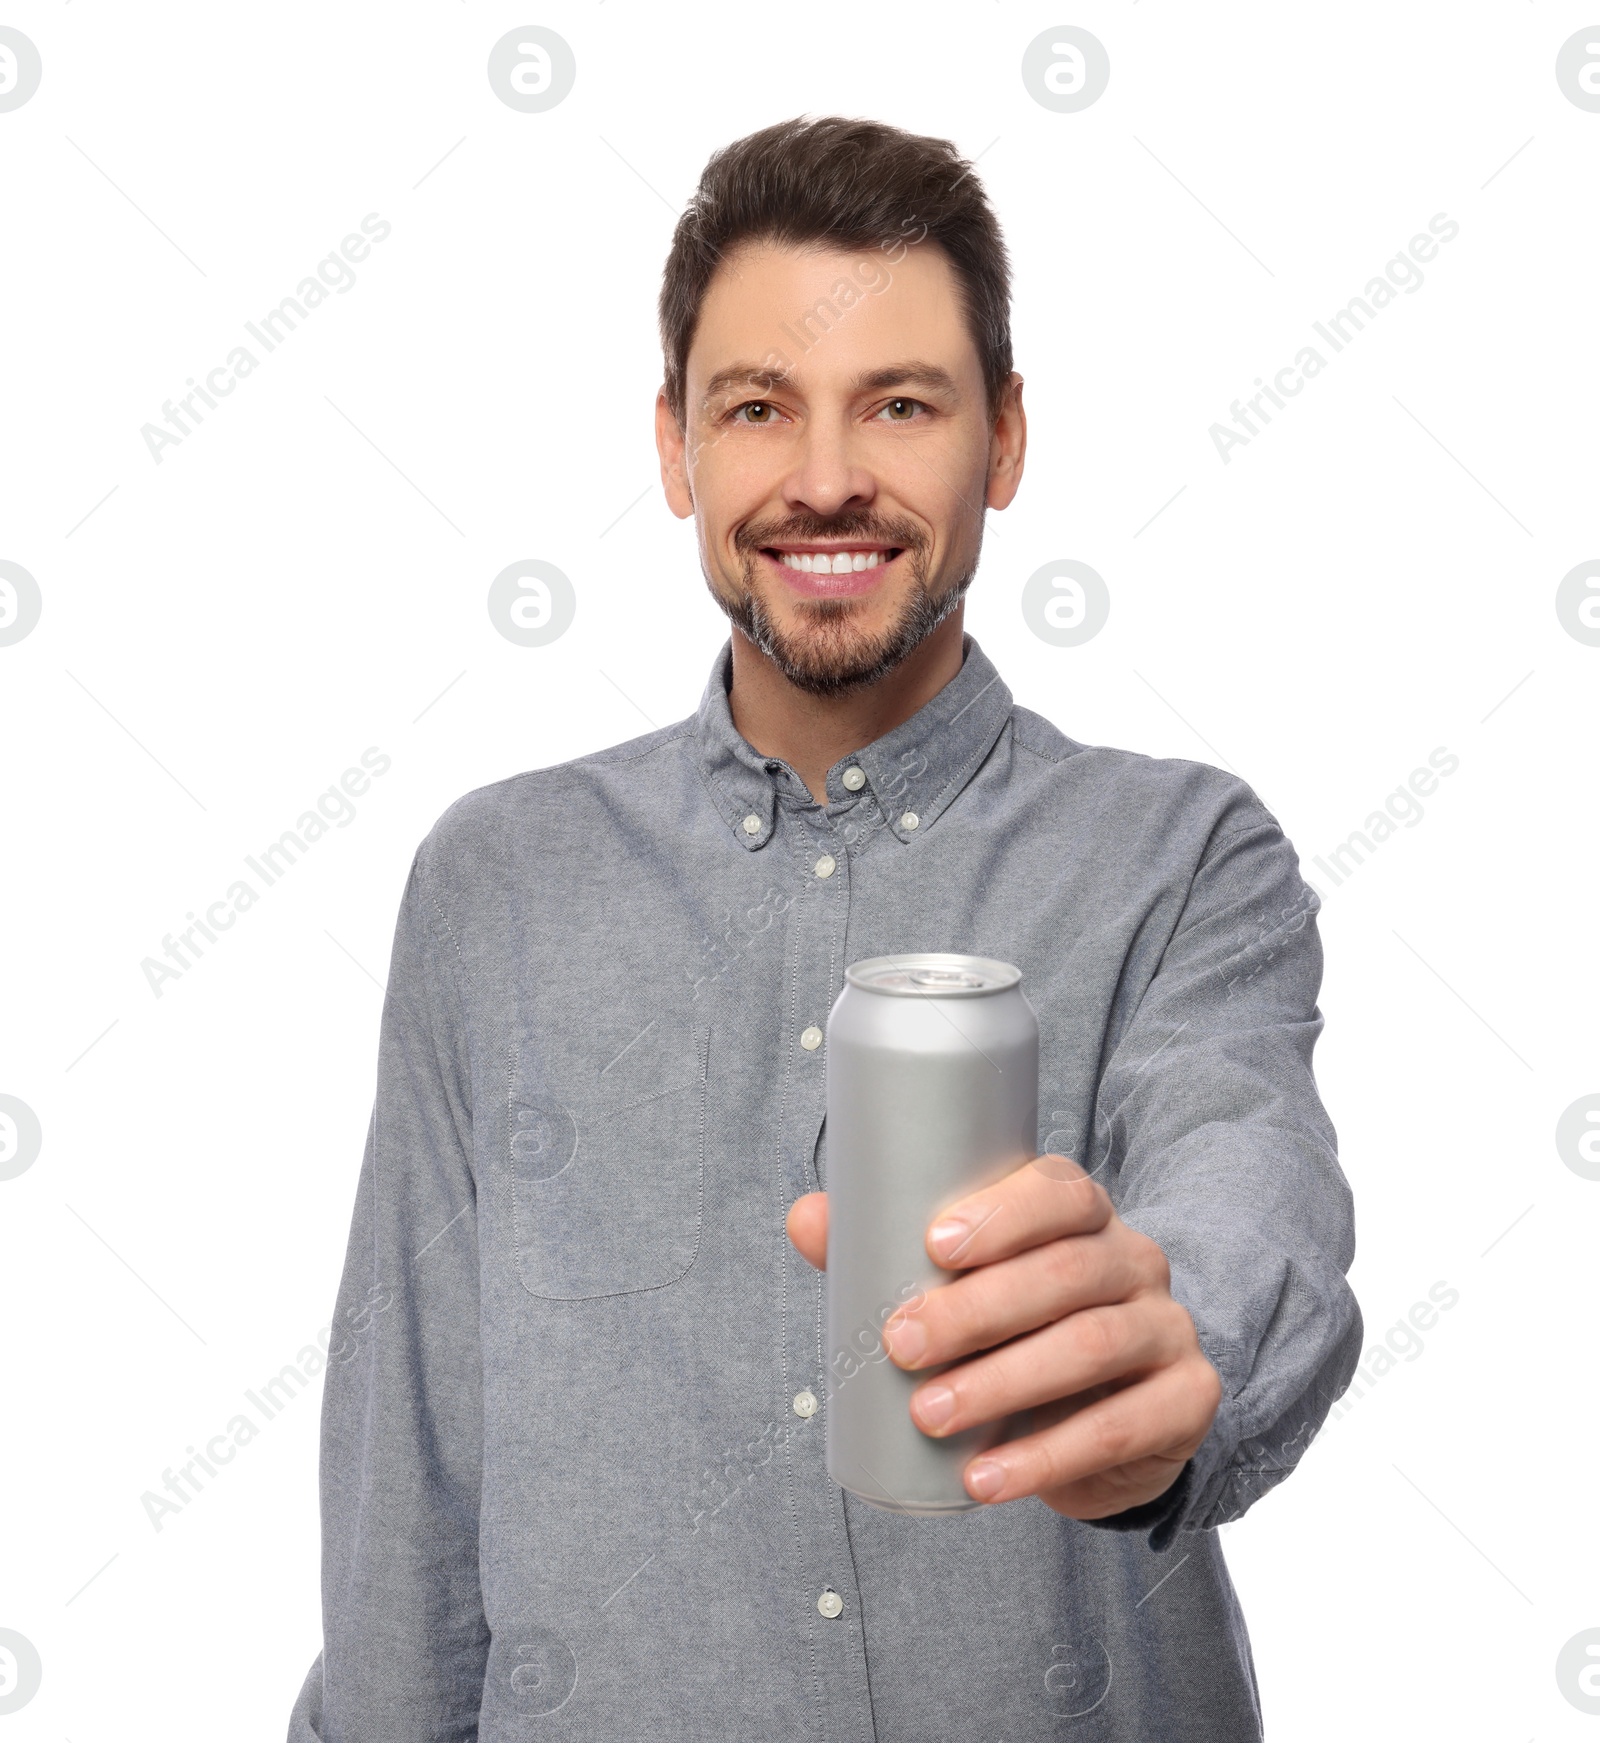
<point x="404" y="1637"/>
<point x="1213" y="1141"/>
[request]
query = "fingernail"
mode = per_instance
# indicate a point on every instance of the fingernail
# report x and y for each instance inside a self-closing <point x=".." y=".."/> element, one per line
<point x="935" y="1405"/>
<point x="948" y="1236"/>
<point x="985" y="1477"/>
<point x="906" y="1339"/>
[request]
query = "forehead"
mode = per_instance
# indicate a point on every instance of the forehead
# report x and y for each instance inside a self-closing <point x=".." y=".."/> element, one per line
<point x="830" y="314"/>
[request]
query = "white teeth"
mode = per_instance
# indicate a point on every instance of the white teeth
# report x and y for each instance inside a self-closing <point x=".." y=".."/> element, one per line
<point x="831" y="562"/>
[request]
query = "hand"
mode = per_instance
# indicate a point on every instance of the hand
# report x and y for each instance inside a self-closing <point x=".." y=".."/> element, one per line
<point x="1094" y="1344"/>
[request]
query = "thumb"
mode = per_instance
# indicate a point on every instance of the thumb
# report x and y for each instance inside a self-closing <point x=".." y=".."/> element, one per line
<point x="807" y="1225"/>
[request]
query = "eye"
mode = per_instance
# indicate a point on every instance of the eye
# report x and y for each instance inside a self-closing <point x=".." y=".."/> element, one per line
<point x="761" y="412"/>
<point x="901" y="411"/>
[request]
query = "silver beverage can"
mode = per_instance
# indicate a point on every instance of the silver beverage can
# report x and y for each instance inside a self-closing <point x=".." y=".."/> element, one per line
<point x="933" y="1092"/>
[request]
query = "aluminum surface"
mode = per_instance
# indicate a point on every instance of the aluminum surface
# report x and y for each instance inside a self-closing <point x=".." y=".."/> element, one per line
<point x="933" y="1072"/>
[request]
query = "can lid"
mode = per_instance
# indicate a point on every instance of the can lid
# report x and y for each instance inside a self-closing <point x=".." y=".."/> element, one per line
<point x="933" y="974"/>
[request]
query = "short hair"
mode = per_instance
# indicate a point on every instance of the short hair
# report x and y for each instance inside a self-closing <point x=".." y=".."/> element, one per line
<point x="848" y="184"/>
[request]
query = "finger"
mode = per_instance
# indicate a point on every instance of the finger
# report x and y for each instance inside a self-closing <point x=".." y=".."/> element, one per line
<point x="985" y="1307"/>
<point x="807" y="1226"/>
<point x="1111" y="1491"/>
<point x="1164" y="1416"/>
<point x="1090" y="1348"/>
<point x="1042" y="1200"/>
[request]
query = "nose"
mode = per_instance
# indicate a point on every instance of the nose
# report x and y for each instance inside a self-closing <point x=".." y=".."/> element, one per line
<point x="829" y="475"/>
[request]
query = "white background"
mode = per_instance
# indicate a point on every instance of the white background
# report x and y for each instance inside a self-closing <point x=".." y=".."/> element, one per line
<point x="305" y="576"/>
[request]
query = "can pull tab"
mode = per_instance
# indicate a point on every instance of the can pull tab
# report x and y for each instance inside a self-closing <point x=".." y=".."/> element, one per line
<point x="943" y="977"/>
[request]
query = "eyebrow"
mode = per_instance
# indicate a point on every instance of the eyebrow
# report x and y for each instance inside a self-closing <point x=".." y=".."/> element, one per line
<point x="928" y="375"/>
<point x="743" y="375"/>
<point x="912" y="373"/>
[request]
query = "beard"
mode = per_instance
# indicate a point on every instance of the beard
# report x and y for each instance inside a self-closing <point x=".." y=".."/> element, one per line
<point x="828" y="655"/>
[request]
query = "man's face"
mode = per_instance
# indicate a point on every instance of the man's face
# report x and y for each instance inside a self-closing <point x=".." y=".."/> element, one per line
<point x="837" y="454"/>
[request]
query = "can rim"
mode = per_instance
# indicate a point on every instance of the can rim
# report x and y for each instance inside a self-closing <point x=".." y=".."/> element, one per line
<point x="992" y="975"/>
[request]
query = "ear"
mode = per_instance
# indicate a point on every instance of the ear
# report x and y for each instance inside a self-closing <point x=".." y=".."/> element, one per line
<point x="1008" y="446"/>
<point x="674" y="471"/>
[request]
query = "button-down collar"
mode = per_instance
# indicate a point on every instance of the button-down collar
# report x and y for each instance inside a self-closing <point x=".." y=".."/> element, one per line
<point x="915" y="771"/>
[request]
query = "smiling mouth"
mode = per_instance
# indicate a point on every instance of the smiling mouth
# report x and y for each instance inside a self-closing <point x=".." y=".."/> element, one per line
<point x="831" y="560"/>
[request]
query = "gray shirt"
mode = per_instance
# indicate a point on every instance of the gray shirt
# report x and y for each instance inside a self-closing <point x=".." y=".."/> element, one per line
<point x="568" y="1491"/>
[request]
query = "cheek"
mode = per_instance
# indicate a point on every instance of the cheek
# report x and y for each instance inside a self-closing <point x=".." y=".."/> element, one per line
<point x="940" y="479"/>
<point x="734" y="479"/>
<point x="716" y="555"/>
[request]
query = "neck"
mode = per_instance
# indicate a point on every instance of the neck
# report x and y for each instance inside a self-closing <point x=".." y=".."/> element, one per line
<point x="811" y="733"/>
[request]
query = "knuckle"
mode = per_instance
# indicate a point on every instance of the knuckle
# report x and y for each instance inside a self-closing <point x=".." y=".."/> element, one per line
<point x="1150" y="1262"/>
<point x="1112" y="1437"/>
<point x="979" y="1391"/>
<point x="1062" y="1191"/>
<point x="1092" y="1203"/>
<point x="1156" y="1262"/>
<point x="1195" y="1402"/>
<point x="950" y="1332"/>
<point x="955" y="1322"/>
<point x="1208" y="1385"/>
<point x="1057" y="1168"/>
<point x="1063" y="1262"/>
<point x="1178" y="1327"/>
<point x="1100" y="1339"/>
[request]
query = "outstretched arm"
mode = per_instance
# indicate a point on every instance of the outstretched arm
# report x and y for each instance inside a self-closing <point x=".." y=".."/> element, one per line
<point x="1175" y="1312"/>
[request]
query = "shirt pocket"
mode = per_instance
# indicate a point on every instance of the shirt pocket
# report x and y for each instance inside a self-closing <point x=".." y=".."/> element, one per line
<point x="607" y="1171"/>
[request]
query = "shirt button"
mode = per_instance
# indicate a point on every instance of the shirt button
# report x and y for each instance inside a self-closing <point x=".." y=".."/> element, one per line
<point x="811" y="1039"/>
<point x="752" y="824"/>
<point x="805" y="1403"/>
<point x="854" y="779"/>
<point x="824" y="868"/>
<point x="910" y="820"/>
<point x="830" y="1603"/>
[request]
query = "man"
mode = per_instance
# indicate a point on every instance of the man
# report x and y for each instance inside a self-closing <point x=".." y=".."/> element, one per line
<point x="573" y="1455"/>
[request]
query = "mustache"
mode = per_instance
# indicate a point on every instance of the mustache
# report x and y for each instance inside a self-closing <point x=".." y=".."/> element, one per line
<point x="755" y="536"/>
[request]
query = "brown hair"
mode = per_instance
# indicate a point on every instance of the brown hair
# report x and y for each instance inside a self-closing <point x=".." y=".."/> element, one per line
<point x="849" y="184"/>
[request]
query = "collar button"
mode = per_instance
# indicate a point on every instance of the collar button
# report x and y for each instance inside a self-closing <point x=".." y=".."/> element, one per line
<point x="854" y="779"/>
